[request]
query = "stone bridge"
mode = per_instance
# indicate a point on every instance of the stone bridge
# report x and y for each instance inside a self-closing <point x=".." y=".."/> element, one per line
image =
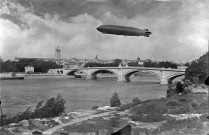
<point x="123" y="73"/>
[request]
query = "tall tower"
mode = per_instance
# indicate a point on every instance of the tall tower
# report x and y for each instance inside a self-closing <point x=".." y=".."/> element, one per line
<point x="96" y="57"/>
<point x="57" y="53"/>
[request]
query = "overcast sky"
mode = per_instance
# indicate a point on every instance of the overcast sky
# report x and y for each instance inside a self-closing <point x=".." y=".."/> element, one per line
<point x="34" y="28"/>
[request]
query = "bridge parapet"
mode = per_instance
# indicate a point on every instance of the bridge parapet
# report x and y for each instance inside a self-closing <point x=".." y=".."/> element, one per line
<point x="123" y="73"/>
<point x="144" y="68"/>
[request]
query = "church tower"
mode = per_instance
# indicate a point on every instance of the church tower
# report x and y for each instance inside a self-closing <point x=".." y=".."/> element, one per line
<point x="57" y="53"/>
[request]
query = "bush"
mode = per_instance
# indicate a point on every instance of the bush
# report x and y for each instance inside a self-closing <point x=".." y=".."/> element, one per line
<point x="170" y="92"/>
<point x="182" y="100"/>
<point x="152" y="112"/>
<point x="126" y="106"/>
<point x="197" y="71"/>
<point x="203" y="106"/>
<point x="52" y="108"/>
<point x="171" y="89"/>
<point x="194" y="105"/>
<point x="182" y="110"/>
<point x="179" y="88"/>
<point x="115" y="100"/>
<point x="172" y="103"/>
<point x="136" y="100"/>
<point x="94" y="107"/>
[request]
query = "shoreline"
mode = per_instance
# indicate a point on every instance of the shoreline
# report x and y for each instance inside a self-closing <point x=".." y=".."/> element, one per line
<point x="104" y="120"/>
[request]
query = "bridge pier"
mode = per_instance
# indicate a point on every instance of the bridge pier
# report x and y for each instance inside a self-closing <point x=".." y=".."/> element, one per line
<point x="88" y="77"/>
<point x="163" y="81"/>
<point x="94" y="76"/>
<point x="123" y="79"/>
<point x="91" y="77"/>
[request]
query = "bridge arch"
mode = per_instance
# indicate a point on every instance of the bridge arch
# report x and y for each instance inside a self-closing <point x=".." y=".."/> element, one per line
<point x="128" y="74"/>
<point x="174" y="76"/>
<point x="95" y="72"/>
<point x="71" y="72"/>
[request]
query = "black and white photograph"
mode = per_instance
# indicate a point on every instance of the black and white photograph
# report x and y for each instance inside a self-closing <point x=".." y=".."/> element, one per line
<point x="104" y="67"/>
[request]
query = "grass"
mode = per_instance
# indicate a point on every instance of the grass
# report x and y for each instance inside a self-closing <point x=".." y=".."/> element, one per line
<point x="96" y="124"/>
<point x="52" y="108"/>
<point x="153" y="110"/>
<point x="148" y="111"/>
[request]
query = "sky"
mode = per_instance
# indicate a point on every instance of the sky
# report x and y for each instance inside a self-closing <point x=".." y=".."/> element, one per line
<point x="34" y="28"/>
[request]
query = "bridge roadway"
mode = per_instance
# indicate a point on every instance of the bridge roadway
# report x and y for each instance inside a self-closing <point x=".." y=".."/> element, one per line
<point x="124" y="73"/>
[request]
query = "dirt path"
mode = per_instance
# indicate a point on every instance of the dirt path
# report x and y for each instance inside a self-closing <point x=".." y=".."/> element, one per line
<point x="52" y="130"/>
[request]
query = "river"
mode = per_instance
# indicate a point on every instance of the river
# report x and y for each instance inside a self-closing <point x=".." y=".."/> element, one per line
<point x="79" y="93"/>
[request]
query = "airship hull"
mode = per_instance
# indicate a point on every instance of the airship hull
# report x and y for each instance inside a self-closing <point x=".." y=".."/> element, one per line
<point x="123" y="30"/>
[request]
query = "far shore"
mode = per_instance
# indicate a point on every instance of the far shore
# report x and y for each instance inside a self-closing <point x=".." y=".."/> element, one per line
<point x="34" y="76"/>
<point x="57" y="75"/>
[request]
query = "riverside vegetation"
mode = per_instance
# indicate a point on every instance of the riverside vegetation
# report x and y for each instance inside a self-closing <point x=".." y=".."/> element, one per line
<point x="180" y="112"/>
<point x="52" y="108"/>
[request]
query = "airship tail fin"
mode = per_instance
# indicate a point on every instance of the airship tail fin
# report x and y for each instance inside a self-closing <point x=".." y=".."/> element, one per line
<point x="147" y="33"/>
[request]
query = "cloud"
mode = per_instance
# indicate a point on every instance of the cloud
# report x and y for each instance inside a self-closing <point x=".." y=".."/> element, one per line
<point x="180" y="31"/>
<point x="45" y="34"/>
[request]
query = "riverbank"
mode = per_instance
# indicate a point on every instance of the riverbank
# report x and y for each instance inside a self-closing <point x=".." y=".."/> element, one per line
<point x="9" y="76"/>
<point x="184" y="114"/>
<point x="46" y="76"/>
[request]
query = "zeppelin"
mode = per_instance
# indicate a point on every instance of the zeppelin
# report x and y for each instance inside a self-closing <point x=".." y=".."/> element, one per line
<point x="123" y="30"/>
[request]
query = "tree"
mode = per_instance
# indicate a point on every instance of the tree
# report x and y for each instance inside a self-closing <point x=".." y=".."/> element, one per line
<point x="197" y="71"/>
<point x="18" y="66"/>
<point x="136" y="100"/>
<point x="170" y="91"/>
<point x="115" y="100"/>
<point x="150" y="63"/>
<point x="117" y="62"/>
<point x="52" y="108"/>
<point x="167" y="64"/>
<point x="179" y="88"/>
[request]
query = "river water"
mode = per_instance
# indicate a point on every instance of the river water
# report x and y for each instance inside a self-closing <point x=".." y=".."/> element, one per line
<point x="79" y="94"/>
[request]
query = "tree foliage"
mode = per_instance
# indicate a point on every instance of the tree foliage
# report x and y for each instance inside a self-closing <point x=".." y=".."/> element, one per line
<point x="197" y="71"/>
<point x="179" y="88"/>
<point x="115" y="100"/>
<point x="18" y="66"/>
<point x="52" y="108"/>
<point x="115" y="63"/>
<point x="136" y="100"/>
<point x="165" y="64"/>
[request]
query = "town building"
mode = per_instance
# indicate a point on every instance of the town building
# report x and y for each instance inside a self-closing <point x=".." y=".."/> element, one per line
<point x="102" y="61"/>
<point x="57" y="53"/>
<point x="29" y="69"/>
